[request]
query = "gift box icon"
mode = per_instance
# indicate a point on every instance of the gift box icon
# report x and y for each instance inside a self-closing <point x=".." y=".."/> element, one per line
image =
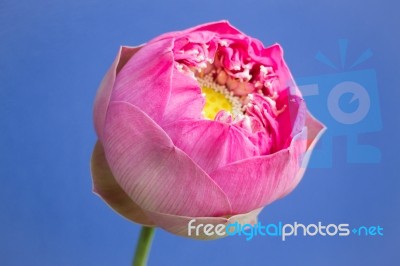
<point x="348" y="103"/>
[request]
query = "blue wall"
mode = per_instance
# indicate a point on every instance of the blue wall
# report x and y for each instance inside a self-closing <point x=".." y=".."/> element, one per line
<point x="53" y="55"/>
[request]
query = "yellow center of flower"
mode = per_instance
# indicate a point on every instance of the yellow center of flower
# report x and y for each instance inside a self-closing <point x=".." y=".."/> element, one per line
<point x="215" y="102"/>
<point x="218" y="98"/>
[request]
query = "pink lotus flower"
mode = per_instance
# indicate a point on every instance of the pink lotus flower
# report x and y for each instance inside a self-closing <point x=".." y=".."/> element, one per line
<point x="204" y="123"/>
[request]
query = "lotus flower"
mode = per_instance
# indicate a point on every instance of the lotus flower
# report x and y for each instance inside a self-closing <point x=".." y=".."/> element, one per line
<point x="204" y="124"/>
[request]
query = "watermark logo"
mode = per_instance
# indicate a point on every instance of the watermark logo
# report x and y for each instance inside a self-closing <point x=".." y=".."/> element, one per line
<point x="347" y="101"/>
<point x="281" y="230"/>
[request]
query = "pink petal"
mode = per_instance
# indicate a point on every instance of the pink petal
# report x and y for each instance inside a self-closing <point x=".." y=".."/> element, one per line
<point x="291" y="120"/>
<point x="256" y="182"/>
<point x="145" y="81"/>
<point x="154" y="173"/>
<point x="186" y="101"/>
<point x="222" y="26"/>
<point x="211" y="144"/>
<point x="192" y="40"/>
<point x="275" y="54"/>
<point x="107" y="84"/>
<point x="315" y="129"/>
<point x="218" y="27"/>
<point x="107" y="188"/>
<point x="178" y="225"/>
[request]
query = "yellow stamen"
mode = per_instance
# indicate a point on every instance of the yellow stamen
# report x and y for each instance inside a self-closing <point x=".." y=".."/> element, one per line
<point x="215" y="102"/>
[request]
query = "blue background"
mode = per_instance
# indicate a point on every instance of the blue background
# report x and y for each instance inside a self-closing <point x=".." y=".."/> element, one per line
<point x="53" y="55"/>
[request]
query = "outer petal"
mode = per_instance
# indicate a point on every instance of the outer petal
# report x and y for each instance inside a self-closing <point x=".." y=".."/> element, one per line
<point x="147" y="78"/>
<point x="315" y="129"/>
<point x="186" y="101"/>
<point x="107" y="188"/>
<point x="211" y="144"/>
<point x="178" y="225"/>
<point x="104" y="92"/>
<point x="256" y="182"/>
<point x="154" y="173"/>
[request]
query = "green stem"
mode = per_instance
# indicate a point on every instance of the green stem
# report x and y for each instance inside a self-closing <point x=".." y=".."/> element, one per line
<point x="143" y="246"/>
